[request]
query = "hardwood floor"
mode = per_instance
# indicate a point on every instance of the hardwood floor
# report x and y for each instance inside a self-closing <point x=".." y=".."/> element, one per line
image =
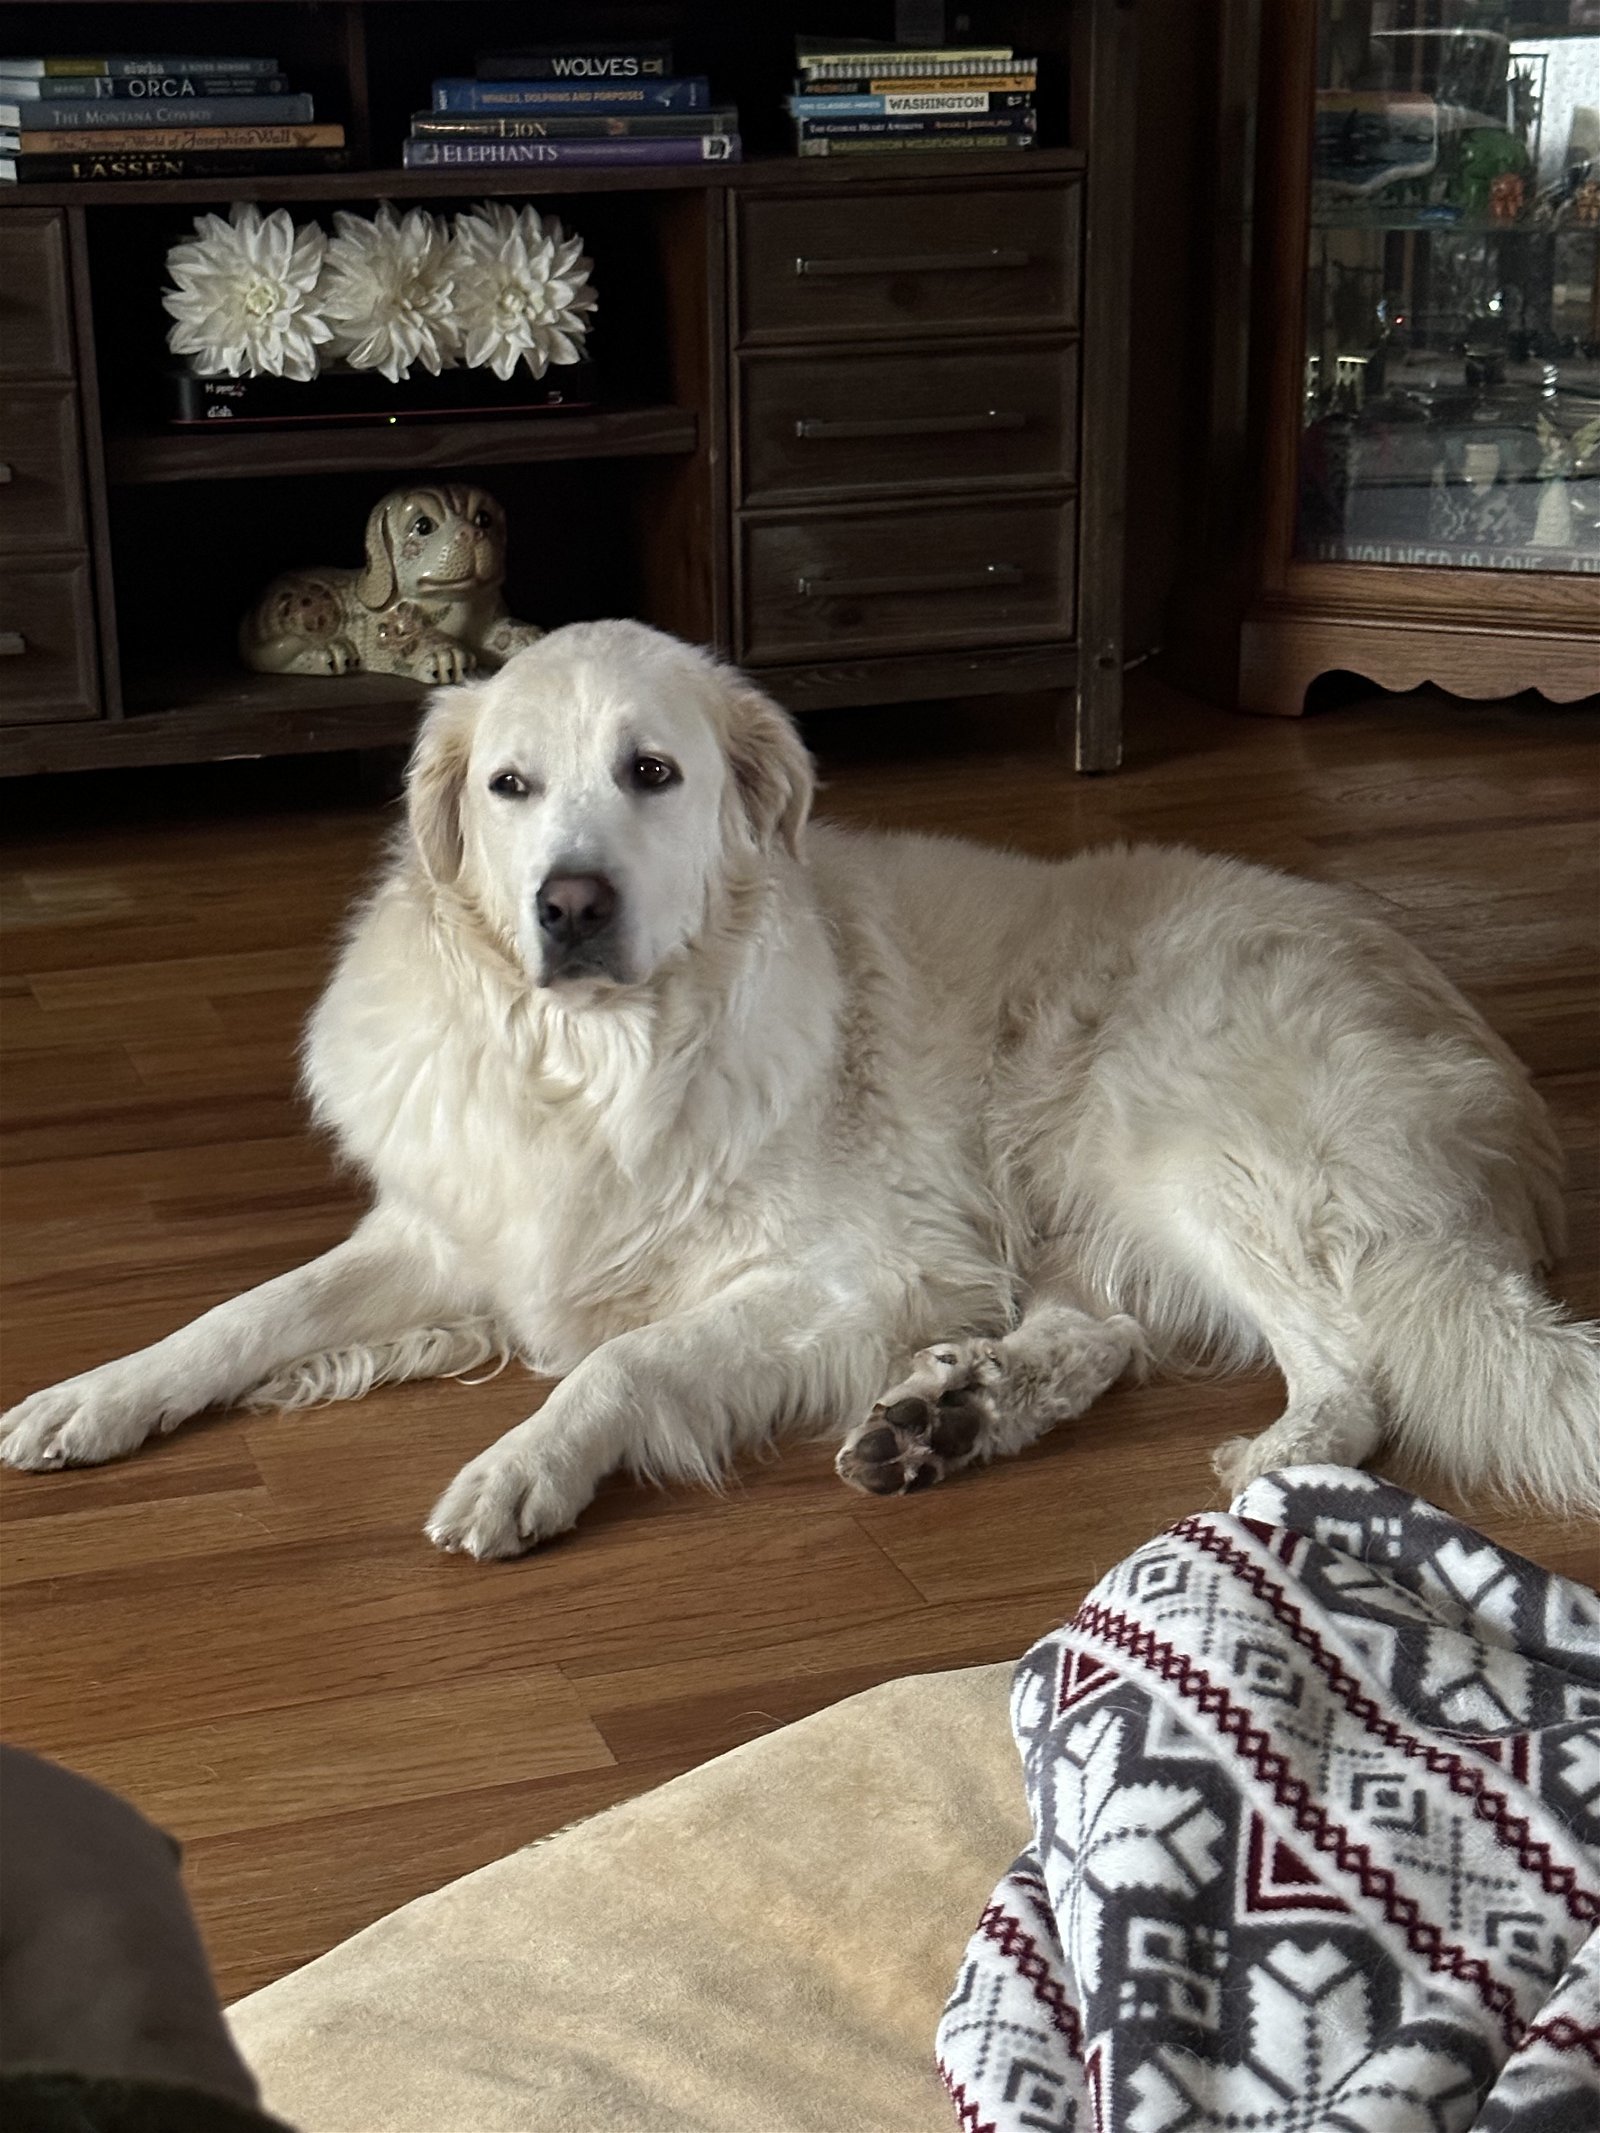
<point x="243" y="1627"/>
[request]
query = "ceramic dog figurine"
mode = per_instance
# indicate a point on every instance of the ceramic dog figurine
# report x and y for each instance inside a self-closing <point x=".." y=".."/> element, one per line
<point x="427" y="603"/>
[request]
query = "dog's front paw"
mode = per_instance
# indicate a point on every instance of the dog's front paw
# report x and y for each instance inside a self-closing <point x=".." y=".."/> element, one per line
<point x="81" y="1422"/>
<point x="498" y="1506"/>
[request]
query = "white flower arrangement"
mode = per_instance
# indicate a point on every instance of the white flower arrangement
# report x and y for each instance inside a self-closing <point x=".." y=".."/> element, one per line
<point x="244" y="296"/>
<point x="256" y="296"/>
<point x="521" y="289"/>
<point x="385" y="292"/>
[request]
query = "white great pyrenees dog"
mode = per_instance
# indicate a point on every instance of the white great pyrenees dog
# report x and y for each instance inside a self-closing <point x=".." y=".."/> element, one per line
<point x="730" y="1125"/>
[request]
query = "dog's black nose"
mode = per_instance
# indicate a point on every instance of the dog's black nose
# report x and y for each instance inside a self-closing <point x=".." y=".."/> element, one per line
<point x="575" y="907"/>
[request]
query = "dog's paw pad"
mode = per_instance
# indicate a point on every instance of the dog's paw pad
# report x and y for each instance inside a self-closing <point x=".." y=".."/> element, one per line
<point x="910" y="1443"/>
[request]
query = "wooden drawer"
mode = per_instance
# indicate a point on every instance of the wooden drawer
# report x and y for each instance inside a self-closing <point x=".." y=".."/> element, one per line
<point x="892" y="262"/>
<point x="937" y="578"/>
<point x="41" y="495"/>
<point x="828" y="424"/>
<point x="47" y="663"/>
<point x="35" y="327"/>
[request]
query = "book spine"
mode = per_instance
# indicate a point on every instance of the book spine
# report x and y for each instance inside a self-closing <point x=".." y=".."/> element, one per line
<point x="878" y="84"/>
<point x="170" y="163"/>
<point x="582" y="126"/>
<point x="904" y="59"/>
<point x="165" y="139"/>
<point x="891" y="105"/>
<point x="142" y="88"/>
<point x="889" y="144"/>
<point x="126" y="65"/>
<point x="579" y="63"/>
<point x="915" y="128"/>
<point x="52" y="117"/>
<point x="474" y="155"/>
<point x="689" y="93"/>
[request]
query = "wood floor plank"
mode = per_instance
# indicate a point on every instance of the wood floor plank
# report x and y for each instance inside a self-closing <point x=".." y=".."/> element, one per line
<point x="244" y="1624"/>
<point x="352" y="1753"/>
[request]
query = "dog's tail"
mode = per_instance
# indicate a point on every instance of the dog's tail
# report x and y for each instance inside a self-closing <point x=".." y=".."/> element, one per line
<point x="348" y="1373"/>
<point x="1484" y="1377"/>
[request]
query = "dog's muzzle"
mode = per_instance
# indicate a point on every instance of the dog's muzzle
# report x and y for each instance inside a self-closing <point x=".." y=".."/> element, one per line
<point x="577" y="916"/>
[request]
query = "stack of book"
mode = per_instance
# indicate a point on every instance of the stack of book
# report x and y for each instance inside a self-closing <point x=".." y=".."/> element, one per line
<point x="573" y="104"/>
<point x="166" y="115"/>
<point x="854" y="98"/>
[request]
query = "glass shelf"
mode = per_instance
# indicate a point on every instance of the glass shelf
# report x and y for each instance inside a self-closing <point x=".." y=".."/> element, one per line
<point x="1451" y="411"/>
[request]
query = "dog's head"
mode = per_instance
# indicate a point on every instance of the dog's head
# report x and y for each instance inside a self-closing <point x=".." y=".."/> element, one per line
<point x="594" y="798"/>
<point x="440" y="542"/>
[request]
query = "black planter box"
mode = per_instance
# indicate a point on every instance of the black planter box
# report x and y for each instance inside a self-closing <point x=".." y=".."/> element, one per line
<point x="365" y="396"/>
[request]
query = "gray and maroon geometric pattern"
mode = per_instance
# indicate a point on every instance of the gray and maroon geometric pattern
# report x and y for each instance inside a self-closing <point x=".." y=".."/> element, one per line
<point x="1316" y="1799"/>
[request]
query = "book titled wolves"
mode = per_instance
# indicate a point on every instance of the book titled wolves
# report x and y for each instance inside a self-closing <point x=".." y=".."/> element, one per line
<point x="593" y="60"/>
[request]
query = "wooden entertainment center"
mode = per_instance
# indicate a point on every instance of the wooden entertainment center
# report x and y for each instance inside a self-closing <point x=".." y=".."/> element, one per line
<point x="863" y="423"/>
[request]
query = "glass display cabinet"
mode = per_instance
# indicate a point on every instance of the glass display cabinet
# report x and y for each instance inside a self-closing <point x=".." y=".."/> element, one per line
<point x="1430" y="204"/>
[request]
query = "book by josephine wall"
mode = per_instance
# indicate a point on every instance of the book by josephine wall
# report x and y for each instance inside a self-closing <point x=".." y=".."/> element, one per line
<point x="48" y="116"/>
<point x="165" y="139"/>
<point x="686" y="93"/>
<point x="469" y="155"/>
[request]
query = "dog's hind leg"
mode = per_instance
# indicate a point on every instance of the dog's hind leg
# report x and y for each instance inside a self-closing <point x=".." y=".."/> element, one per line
<point x="969" y="1401"/>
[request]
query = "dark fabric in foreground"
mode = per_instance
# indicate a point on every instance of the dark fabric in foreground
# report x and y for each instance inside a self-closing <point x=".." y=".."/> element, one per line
<point x="1316" y="1797"/>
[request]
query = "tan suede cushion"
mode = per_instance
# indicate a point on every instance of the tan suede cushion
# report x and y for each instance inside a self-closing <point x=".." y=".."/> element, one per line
<point x="763" y="1945"/>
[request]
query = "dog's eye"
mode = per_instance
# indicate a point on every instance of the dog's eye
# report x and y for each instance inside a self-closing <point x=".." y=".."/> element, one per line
<point x="508" y="785"/>
<point x="650" y="773"/>
<point x="483" y="520"/>
<point x="422" y="525"/>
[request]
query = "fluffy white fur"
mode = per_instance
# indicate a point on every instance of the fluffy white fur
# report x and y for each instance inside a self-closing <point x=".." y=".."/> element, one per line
<point x="895" y="1112"/>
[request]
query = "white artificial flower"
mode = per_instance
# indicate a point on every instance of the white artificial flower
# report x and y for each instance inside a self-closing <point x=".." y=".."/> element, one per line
<point x="385" y="291"/>
<point x="521" y="289"/>
<point x="243" y="301"/>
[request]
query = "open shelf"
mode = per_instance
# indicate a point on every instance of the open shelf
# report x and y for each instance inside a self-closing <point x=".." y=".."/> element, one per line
<point x="223" y="453"/>
<point x="217" y="715"/>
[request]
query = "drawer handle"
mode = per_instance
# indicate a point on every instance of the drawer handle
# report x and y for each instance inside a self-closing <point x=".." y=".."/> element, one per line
<point x="987" y="576"/>
<point x="988" y="418"/>
<point x="917" y="263"/>
<point x="6" y="473"/>
<point x="12" y="644"/>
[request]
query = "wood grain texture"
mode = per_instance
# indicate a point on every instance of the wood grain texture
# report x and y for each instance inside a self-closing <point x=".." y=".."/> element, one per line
<point x="243" y="1625"/>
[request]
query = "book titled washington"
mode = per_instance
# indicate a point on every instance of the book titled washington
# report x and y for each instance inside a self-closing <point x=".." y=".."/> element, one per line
<point x="140" y="88"/>
<point x="894" y="105"/>
<point x="125" y="65"/>
<point x="572" y="125"/>
<point x="689" y="92"/>
<point x="48" y="116"/>
<point x="161" y="140"/>
<point x="167" y="163"/>
<point x="469" y="155"/>
<point x="592" y="61"/>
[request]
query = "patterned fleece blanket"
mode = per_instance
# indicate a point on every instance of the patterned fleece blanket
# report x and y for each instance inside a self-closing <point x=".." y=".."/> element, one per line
<point x="1316" y="1798"/>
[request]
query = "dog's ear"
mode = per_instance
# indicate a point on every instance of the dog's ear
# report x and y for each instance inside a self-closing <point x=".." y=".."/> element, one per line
<point x="772" y="772"/>
<point x="435" y="778"/>
<point x="378" y="582"/>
